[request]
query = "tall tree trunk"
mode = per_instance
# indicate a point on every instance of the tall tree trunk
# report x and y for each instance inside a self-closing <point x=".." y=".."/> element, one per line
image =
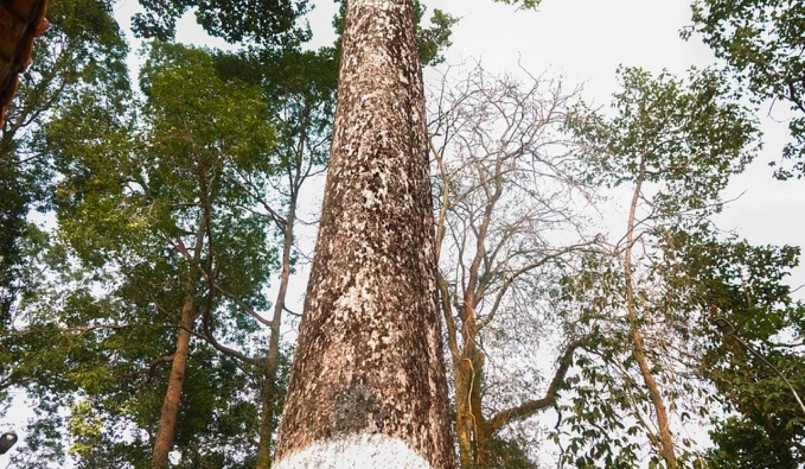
<point x="170" y="406"/>
<point x="269" y="390"/>
<point x="368" y="384"/>
<point x="470" y="422"/>
<point x="666" y="442"/>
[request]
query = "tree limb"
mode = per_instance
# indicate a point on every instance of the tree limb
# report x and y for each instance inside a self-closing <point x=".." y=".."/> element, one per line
<point x="529" y="408"/>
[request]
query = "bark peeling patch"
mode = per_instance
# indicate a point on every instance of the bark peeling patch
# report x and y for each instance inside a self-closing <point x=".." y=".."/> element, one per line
<point x="356" y="451"/>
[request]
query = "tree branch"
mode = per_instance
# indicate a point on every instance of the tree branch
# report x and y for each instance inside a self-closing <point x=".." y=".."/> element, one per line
<point x="529" y="408"/>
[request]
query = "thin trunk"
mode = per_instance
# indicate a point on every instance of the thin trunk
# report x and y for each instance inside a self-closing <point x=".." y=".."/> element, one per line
<point x="666" y="443"/>
<point x="269" y="390"/>
<point x="463" y="415"/>
<point x="468" y="374"/>
<point x="470" y="423"/>
<point x="367" y="384"/>
<point x="170" y="406"/>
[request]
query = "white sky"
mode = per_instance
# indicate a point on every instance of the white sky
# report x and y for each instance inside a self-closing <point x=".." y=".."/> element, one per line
<point x="585" y="41"/>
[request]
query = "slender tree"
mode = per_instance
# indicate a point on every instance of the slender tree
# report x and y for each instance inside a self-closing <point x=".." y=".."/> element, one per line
<point x="367" y="382"/>
<point x="301" y="85"/>
<point x="675" y="144"/>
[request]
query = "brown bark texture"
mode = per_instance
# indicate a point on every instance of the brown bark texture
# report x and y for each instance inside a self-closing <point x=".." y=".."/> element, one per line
<point x="170" y="405"/>
<point x="369" y="356"/>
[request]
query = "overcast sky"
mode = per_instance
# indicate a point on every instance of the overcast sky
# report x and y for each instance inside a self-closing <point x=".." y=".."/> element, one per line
<point x="584" y="41"/>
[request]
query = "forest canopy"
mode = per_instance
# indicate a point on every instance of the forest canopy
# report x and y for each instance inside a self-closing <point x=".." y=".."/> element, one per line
<point x="159" y="203"/>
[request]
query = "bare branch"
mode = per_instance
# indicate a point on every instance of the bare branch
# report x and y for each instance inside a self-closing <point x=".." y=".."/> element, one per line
<point x="529" y="408"/>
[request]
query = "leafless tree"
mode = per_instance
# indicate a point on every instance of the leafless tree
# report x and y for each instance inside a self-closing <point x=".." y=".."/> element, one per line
<point x="506" y="219"/>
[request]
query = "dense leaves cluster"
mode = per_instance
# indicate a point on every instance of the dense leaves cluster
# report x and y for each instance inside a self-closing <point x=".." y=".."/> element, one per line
<point x="762" y="42"/>
<point x="265" y="22"/>
<point x="82" y="48"/>
<point x="687" y="137"/>
<point x="746" y="284"/>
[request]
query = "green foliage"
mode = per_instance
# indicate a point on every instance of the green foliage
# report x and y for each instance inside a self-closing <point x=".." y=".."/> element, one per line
<point x="739" y="443"/>
<point x="746" y="284"/>
<point x="761" y="41"/>
<point x="674" y="143"/>
<point x="686" y="137"/>
<point x="13" y="209"/>
<point x="301" y="88"/>
<point x="597" y="427"/>
<point x="524" y="4"/>
<point x="508" y="453"/>
<point x="83" y="47"/>
<point x="265" y="22"/>
<point x="436" y="38"/>
<point x="137" y="191"/>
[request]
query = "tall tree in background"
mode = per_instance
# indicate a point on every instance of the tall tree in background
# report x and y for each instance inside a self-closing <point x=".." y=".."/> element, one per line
<point x="675" y="144"/>
<point x="367" y="383"/>
<point x="143" y="204"/>
<point x="83" y="47"/>
<point x="300" y="88"/>
<point x="306" y="85"/>
<point x="203" y="150"/>
<point x="505" y="185"/>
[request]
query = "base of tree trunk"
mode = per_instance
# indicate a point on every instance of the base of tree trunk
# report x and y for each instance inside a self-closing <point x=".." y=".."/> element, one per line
<point x="361" y="450"/>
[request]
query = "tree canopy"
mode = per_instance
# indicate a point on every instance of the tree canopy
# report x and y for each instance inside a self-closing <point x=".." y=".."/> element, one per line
<point x="154" y="242"/>
<point x="762" y="42"/>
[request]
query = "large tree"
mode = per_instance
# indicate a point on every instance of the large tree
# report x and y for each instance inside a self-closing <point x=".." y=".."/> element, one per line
<point x="368" y="382"/>
<point x="504" y="190"/>
<point x="674" y="144"/>
<point x="144" y="207"/>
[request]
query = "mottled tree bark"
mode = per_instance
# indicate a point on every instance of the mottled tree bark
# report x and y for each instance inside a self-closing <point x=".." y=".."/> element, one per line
<point x="368" y="383"/>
